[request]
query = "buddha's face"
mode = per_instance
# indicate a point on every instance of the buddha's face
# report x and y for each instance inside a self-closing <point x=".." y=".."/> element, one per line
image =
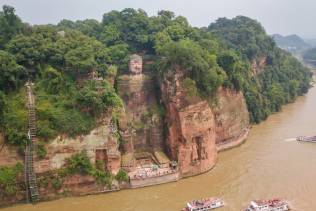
<point x="136" y="66"/>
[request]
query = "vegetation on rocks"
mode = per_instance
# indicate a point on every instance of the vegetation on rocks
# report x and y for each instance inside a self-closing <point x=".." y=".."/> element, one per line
<point x="73" y="66"/>
<point x="282" y="79"/>
<point x="63" y="60"/>
<point x="8" y="179"/>
<point x="121" y="176"/>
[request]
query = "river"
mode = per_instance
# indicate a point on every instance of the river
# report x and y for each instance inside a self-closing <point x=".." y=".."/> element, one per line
<point x="269" y="164"/>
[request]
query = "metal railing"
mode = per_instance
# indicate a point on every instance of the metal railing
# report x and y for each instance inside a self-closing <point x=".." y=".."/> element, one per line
<point x="32" y="194"/>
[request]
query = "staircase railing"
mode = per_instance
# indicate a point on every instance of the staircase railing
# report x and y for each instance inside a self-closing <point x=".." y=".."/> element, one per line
<point x="32" y="194"/>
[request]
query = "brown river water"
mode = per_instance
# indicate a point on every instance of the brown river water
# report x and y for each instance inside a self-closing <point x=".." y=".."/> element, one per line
<point x="269" y="164"/>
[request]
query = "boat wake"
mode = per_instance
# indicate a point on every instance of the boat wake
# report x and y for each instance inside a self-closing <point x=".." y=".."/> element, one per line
<point x="290" y="140"/>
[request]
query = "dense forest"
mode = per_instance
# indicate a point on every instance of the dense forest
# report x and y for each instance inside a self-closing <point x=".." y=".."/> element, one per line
<point x="56" y="57"/>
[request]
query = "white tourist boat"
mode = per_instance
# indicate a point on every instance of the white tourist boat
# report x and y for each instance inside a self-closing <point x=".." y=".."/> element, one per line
<point x="268" y="205"/>
<point x="204" y="204"/>
<point x="306" y="139"/>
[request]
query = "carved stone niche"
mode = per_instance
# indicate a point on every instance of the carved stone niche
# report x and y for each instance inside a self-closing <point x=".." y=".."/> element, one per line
<point x="136" y="64"/>
<point x="198" y="150"/>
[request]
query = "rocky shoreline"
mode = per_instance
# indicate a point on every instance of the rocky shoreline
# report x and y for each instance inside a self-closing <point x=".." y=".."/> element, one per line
<point x="235" y="142"/>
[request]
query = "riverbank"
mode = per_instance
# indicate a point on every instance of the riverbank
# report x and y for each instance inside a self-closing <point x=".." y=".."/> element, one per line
<point x="83" y="186"/>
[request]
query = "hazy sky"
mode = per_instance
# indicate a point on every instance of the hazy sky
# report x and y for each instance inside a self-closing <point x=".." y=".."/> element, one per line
<point x="277" y="16"/>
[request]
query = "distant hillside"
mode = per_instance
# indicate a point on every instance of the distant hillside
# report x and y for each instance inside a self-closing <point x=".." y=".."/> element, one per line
<point x="311" y="41"/>
<point x="291" y="43"/>
<point x="309" y="56"/>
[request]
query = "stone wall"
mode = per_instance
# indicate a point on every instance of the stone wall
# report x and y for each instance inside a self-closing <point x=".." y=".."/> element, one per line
<point x="138" y="183"/>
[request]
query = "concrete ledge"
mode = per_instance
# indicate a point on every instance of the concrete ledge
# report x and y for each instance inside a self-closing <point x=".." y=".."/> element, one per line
<point x="149" y="181"/>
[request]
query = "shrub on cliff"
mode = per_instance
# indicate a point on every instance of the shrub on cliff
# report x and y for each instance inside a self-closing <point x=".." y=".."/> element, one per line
<point x="103" y="177"/>
<point x="121" y="176"/>
<point x="56" y="183"/>
<point x="8" y="179"/>
<point x="79" y="163"/>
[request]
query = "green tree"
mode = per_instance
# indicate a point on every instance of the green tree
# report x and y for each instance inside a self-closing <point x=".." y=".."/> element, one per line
<point x="79" y="163"/>
<point x="10" y="72"/>
<point x="10" y="25"/>
<point x="8" y="179"/>
<point x="276" y="97"/>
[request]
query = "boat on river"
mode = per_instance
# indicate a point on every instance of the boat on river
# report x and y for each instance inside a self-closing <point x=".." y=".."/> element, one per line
<point x="268" y="205"/>
<point x="306" y="139"/>
<point x="204" y="204"/>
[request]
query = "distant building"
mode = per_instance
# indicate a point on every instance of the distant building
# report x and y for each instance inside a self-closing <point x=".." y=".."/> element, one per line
<point x="136" y="64"/>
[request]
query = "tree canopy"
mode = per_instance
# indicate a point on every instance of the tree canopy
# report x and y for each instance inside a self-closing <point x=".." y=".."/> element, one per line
<point x="61" y="58"/>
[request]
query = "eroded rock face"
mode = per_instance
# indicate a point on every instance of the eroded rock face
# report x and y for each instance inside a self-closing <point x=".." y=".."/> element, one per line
<point x="191" y="129"/>
<point x="192" y="138"/>
<point x="8" y="154"/>
<point x="140" y="124"/>
<point x="195" y="128"/>
<point x="100" y="144"/>
<point x="231" y="115"/>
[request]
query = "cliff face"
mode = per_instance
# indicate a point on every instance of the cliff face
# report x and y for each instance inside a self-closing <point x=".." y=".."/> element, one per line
<point x="231" y="115"/>
<point x="100" y="145"/>
<point x="195" y="129"/>
<point x="191" y="129"/>
<point x="140" y="124"/>
<point x="8" y="154"/>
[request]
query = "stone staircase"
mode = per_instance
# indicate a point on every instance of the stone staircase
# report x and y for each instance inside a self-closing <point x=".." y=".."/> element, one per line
<point x="30" y="176"/>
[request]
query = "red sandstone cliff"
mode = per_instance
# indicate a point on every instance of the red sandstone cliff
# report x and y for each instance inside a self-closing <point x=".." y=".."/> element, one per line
<point x="195" y="128"/>
<point x="194" y="132"/>
<point x="191" y="129"/>
<point x="231" y="115"/>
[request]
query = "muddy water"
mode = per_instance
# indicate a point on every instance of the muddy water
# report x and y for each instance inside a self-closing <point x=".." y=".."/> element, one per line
<point x="269" y="164"/>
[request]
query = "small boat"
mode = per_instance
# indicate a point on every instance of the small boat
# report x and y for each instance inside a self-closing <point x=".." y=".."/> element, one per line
<point x="306" y="139"/>
<point x="268" y="205"/>
<point x="204" y="204"/>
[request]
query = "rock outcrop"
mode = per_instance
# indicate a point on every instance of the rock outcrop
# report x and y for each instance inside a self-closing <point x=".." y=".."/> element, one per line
<point x="8" y="155"/>
<point x="231" y="115"/>
<point x="140" y="123"/>
<point x="100" y="144"/>
<point x="191" y="129"/>
<point x="195" y="128"/>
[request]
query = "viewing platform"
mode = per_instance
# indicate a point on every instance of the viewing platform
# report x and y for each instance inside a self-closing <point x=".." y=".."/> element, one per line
<point x="153" y="175"/>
